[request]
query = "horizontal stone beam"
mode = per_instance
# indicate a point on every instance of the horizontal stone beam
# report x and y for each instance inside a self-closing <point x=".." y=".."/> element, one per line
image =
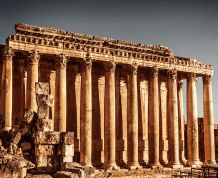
<point x="150" y="61"/>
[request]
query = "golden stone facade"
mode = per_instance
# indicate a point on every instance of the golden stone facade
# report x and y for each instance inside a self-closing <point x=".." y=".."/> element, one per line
<point x="122" y="100"/>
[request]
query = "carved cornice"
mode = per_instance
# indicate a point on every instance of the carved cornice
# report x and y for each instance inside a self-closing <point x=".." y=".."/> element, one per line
<point x="110" y="67"/>
<point x="61" y="61"/>
<point x="89" y="39"/>
<point x="172" y="74"/>
<point x="207" y="79"/>
<point x="8" y="52"/>
<point x="49" y="40"/>
<point x="34" y="57"/>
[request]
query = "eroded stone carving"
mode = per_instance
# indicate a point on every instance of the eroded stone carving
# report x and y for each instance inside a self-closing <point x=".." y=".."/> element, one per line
<point x="44" y="101"/>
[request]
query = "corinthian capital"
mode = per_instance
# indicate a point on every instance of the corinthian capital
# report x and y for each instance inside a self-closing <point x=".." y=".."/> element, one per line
<point x="61" y="61"/>
<point x="179" y="84"/>
<point x="8" y="52"/>
<point x="207" y="79"/>
<point x="86" y="63"/>
<point x="192" y="77"/>
<point x="172" y="74"/>
<point x="134" y="68"/>
<point x="110" y="66"/>
<point x="155" y="71"/>
<point x="34" y="57"/>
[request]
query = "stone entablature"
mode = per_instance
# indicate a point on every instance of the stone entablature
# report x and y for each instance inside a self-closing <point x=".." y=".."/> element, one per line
<point x="75" y="45"/>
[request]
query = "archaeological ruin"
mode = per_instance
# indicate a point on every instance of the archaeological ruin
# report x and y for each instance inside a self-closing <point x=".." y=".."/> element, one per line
<point x="119" y="102"/>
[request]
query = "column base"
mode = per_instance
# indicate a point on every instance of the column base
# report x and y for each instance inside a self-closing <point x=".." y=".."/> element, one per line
<point x="143" y="163"/>
<point x="156" y="165"/>
<point x="164" y="162"/>
<point x="7" y="128"/>
<point x="211" y="162"/>
<point x="184" y="161"/>
<point x="86" y="164"/>
<point x="194" y="164"/>
<point x="175" y="165"/>
<point x="133" y="165"/>
<point x="112" y="166"/>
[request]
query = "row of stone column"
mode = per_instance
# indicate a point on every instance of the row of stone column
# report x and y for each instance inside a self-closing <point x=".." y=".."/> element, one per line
<point x="175" y="105"/>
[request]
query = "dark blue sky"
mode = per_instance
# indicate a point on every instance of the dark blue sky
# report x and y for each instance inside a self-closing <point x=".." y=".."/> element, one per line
<point x="190" y="28"/>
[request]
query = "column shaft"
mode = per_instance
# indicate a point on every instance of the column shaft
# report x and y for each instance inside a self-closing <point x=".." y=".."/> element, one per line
<point x="110" y="114"/>
<point x="192" y="122"/>
<point x="209" y="143"/>
<point x="181" y="123"/>
<point x="173" y="119"/>
<point x="132" y="127"/>
<point x="8" y="56"/>
<point x="86" y="114"/>
<point x="60" y="97"/>
<point x="52" y="92"/>
<point x="32" y="78"/>
<point x="155" y="122"/>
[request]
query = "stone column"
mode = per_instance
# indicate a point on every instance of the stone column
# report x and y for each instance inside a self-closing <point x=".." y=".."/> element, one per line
<point x="181" y="123"/>
<point x="192" y="122"/>
<point x="25" y="87"/>
<point x="132" y="120"/>
<point x="209" y="143"/>
<point x="173" y="119"/>
<point x="22" y="89"/>
<point x="32" y="78"/>
<point x="155" y="119"/>
<point x="164" y="148"/>
<point x="86" y="113"/>
<point x="7" y="88"/>
<point x="52" y="93"/>
<point x="60" y="90"/>
<point x="110" y="114"/>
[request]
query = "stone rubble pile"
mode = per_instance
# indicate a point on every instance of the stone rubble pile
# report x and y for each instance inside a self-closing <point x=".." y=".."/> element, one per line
<point x="34" y="146"/>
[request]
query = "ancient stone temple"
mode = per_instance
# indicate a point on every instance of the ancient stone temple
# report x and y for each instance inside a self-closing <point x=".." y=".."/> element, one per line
<point x="122" y="100"/>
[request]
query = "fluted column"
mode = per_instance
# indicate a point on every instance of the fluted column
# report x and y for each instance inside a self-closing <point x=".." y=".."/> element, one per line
<point x="110" y="114"/>
<point x="209" y="144"/>
<point x="192" y="122"/>
<point x="86" y="113"/>
<point x="32" y="78"/>
<point x="132" y="120"/>
<point x="7" y="87"/>
<point x="60" y="96"/>
<point x="181" y="122"/>
<point x="173" y="119"/>
<point x="155" y="119"/>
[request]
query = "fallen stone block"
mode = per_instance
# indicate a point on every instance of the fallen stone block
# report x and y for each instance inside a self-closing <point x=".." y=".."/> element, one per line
<point x="47" y="137"/>
<point x="66" y="159"/>
<point x="41" y="161"/>
<point x="46" y="150"/>
<point x="66" y="150"/>
<point x="67" y="138"/>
